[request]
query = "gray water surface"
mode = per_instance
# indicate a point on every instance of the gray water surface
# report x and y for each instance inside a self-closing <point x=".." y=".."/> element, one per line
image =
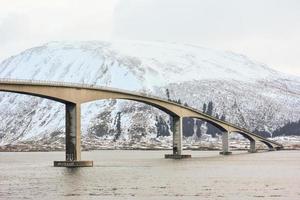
<point x="147" y="175"/>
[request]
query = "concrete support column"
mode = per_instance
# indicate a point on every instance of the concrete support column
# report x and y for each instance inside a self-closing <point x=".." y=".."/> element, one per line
<point x="252" y="146"/>
<point x="225" y="144"/>
<point x="73" y="139"/>
<point x="177" y="140"/>
<point x="177" y="135"/>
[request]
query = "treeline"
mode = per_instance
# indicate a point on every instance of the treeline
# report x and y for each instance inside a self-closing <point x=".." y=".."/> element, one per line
<point x="189" y="124"/>
<point x="178" y="101"/>
<point x="211" y="129"/>
<point x="291" y="128"/>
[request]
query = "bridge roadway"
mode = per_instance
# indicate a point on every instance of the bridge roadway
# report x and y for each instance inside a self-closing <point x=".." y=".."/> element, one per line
<point x="73" y="95"/>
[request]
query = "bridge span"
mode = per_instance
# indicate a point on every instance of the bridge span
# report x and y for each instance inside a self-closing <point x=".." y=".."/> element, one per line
<point x="73" y="95"/>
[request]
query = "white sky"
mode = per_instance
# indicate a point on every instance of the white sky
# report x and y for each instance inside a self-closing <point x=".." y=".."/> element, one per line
<point x="28" y="23"/>
<point x="265" y="30"/>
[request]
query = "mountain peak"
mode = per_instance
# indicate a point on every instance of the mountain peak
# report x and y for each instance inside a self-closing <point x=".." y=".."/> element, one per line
<point x="144" y="64"/>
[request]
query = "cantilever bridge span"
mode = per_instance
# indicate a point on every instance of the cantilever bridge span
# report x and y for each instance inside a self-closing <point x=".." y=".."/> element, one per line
<point x="73" y="95"/>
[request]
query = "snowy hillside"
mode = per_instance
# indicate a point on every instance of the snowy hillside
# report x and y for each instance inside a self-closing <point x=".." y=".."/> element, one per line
<point x="246" y="92"/>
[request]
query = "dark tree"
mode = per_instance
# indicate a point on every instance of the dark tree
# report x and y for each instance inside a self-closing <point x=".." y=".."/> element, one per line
<point x="199" y="124"/>
<point x="188" y="126"/>
<point x="204" y="107"/>
<point x="210" y="108"/>
<point x="223" y="118"/>
<point x="118" y="126"/>
<point x="162" y="127"/>
<point x="168" y="94"/>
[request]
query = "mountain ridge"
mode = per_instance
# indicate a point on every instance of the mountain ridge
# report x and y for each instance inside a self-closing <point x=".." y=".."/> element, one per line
<point x="265" y="98"/>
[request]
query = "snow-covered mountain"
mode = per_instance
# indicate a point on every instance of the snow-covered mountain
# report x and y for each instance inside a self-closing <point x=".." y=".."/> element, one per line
<point x="247" y="92"/>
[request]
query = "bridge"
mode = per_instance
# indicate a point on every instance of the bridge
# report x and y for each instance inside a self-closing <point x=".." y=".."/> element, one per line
<point x="73" y="95"/>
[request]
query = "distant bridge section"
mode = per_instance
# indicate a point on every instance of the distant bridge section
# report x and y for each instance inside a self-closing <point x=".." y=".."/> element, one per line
<point x="73" y="95"/>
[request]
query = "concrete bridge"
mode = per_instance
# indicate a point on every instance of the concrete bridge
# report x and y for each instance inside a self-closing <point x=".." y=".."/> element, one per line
<point x="73" y="95"/>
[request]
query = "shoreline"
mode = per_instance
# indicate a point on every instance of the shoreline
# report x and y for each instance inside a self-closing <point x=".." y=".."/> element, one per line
<point x="133" y="149"/>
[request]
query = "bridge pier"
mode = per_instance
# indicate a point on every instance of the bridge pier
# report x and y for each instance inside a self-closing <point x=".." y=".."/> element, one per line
<point x="252" y="146"/>
<point x="270" y="146"/>
<point x="73" y="139"/>
<point x="272" y="149"/>
<point x="225" y="144"/>
<point x="177" y="140"/>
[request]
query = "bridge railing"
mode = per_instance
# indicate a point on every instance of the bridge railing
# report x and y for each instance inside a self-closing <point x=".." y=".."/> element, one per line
<point x="78" y="85"/>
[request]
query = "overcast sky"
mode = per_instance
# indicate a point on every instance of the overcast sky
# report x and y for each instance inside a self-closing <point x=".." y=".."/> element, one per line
<point x="264" y="30"/>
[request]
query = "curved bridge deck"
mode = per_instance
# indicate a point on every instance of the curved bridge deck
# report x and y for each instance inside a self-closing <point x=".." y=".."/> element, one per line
<point x="73" y="95"/>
